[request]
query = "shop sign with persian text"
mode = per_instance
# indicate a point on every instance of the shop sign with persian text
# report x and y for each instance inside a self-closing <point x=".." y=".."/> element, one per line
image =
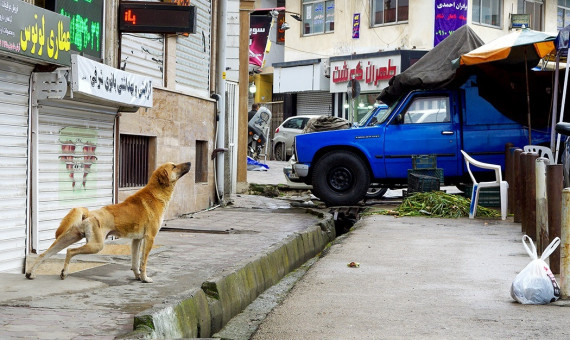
<point x="34" y="32"/>
<point x="372" y="74"/>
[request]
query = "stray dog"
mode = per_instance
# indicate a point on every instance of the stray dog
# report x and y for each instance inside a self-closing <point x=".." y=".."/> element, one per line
<point x="139" y="218"/>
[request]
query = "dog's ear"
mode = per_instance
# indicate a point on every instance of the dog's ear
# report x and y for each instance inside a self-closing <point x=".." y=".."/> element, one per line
<point x="163" y="178"/>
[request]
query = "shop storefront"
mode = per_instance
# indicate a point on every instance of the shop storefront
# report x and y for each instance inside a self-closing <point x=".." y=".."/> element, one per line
<point x="319" y="86"/>
<point x="371" y="72"/>
<point x="30" y="37"/>
<point x="75" y="149"/>
<point x="307" y="81"/>
<point x="57" y="128"/>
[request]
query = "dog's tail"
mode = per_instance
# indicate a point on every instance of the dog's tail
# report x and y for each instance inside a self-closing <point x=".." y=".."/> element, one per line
<point x="73" y="218"/>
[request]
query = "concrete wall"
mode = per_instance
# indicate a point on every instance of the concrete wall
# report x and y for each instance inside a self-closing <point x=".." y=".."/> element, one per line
<point x="177" y="121"/>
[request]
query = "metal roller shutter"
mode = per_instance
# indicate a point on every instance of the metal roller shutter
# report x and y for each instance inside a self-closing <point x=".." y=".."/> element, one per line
<point x="75" y="165"/>
<point x="193" y="53"/>
<point x="14" y="103"/>
<point x="314" y="103"/>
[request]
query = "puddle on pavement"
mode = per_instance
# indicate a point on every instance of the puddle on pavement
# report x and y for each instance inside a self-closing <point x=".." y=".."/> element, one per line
<point x="210" y="231"/>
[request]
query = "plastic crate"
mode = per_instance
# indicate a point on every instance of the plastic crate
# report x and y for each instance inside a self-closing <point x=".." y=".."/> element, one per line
<point x="488" y="197"/>
<point x="424" y="162"/>
<point x="422" y="183"/>
<point x="437" y="172"/>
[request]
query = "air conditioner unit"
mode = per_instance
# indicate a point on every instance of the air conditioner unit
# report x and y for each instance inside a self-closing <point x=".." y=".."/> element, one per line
<point x="327" y="68"/>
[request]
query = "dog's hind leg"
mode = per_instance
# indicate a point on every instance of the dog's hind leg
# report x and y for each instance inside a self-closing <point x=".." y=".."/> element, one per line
<point x="69" y="237"/>
<point x="95" y="242"/>
<point x="136" y="257"/>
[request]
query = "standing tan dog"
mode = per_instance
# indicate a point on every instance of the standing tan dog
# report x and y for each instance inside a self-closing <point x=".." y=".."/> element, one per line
<point x="139" y="218"/>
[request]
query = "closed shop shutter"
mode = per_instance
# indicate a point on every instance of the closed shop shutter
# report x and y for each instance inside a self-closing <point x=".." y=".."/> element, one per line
<point x="314" y="103"/>
<point x="14" y="103"/>
<point x="75" y="165"/>
<point x="143" y="53"/>
<point x="193" y="53"/>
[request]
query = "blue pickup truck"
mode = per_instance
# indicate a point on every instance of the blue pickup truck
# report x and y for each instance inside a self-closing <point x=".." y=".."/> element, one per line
<point x="342" y="165"/>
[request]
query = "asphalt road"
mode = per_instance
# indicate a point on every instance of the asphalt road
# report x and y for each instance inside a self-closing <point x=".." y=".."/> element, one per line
<point x="418" y="278"/>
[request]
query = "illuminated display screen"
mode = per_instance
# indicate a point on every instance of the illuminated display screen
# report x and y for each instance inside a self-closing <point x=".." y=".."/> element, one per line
<point x="156" y="17"/>
<point x="86" y="23"/>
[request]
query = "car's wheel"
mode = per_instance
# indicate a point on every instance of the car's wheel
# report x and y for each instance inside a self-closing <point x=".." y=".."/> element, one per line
<point x="279" y="152"/>
<point x="340" y="178"/>
<point x="376" y="192"/>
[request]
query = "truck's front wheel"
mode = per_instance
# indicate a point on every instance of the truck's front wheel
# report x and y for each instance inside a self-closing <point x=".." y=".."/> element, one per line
<point x="340" y="178"/>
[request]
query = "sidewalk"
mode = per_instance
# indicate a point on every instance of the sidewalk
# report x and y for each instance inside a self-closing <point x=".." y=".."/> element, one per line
<point x="418" y="278"/>
<point x="206" y="268"/>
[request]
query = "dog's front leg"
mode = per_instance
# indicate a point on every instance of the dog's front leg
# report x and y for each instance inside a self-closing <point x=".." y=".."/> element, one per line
<point x="136" y="257"/>
<point x="148" y="241"/>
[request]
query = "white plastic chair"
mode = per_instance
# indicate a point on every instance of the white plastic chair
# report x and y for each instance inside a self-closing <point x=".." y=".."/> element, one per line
<point x="542" y="151"/>
<point x="498" y="182"/>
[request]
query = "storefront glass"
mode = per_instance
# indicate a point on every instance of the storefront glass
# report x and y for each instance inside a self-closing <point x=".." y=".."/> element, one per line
<point x="360" y="106"/>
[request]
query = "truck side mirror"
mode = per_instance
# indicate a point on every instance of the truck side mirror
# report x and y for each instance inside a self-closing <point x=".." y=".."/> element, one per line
<point x="400" y="118"/>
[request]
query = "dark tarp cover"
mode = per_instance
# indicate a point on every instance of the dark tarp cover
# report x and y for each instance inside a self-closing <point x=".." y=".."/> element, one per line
<point x="434" y="70"/>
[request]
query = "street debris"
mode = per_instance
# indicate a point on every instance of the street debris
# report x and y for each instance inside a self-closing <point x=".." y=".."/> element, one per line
<point x="353" y="265"/>
<point x="437" y="204"/>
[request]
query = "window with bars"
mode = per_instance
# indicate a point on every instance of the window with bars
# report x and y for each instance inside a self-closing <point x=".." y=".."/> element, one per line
<point x="134" y="161"/>
<point x="201" y="169"/>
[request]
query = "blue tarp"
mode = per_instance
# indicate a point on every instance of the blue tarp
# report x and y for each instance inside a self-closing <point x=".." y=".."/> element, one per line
<point x="254" y="165"/>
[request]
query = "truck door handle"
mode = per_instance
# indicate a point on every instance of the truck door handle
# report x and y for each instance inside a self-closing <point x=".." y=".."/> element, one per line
<point x="447" y="132"/>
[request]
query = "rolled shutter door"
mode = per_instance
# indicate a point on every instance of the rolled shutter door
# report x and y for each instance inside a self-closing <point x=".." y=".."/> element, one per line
<point x="14" y="103"/>
<point x="75" y="166"/>
<point x="314" y="103"/>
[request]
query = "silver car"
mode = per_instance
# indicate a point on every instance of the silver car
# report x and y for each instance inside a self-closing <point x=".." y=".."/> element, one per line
<point x="285" y="136"/>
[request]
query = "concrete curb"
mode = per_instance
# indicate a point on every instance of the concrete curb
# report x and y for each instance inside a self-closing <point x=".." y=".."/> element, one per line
<point x="203" y="312"/>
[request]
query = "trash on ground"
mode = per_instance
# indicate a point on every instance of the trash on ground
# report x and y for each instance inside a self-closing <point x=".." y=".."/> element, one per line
<point x="253" y="165"/>
<point x="353" y="264"/>
<point x="535" y="284"/>
<point x="437" y="204"/>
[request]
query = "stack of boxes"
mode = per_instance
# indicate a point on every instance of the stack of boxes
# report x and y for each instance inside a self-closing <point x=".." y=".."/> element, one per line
<point x="424" y="176"/>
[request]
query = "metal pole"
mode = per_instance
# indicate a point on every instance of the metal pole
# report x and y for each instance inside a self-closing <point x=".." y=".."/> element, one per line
<point x="527" y="99"/>
<point x="565" y="245"/>
<point x="221" y="89"/>
<point x="554" y="105"/>
<point x="565" y="87"/>
<point x="522" y="191"/>
<point x="517" y="192"/>
<point x="554" y="185"/>
<point x="509" y="160"/>
<point x="530" y="194"/>
<point x="541" y="205"/>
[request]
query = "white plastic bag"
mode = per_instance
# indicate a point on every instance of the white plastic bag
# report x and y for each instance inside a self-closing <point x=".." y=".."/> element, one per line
<point x="536" y="284"/>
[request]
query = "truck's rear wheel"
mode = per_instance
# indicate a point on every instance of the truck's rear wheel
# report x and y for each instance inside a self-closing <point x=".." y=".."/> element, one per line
<point x="340" y="178"/>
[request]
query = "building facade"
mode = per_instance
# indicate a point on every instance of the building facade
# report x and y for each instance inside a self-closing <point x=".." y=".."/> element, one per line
<point x="91" y="108"/>
<point x="374" y="40"/>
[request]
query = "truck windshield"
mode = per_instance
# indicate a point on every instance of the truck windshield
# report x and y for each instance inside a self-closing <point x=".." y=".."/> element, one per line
<point x="373" y="116"/>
